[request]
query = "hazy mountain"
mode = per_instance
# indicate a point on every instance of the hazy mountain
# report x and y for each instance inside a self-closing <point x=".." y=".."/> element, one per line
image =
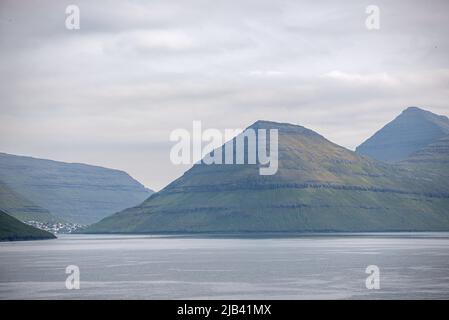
<point x="411" y="131"/>
<point x="430" y="165"/>
<point x="432" y="155"/>
<point x="21" y="208"/>
<point x="77" y="193"/>
<point x="12" y="229"/>
<point x="319" y="186"/>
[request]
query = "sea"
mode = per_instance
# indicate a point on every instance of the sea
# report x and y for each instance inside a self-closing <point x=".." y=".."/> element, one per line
<point x="220" y="266"/>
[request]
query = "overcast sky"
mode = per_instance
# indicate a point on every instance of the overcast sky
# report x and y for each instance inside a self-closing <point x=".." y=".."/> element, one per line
<point x="110" y="93"/>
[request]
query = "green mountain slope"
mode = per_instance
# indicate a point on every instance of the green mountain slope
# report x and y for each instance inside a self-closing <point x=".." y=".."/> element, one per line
<point x="12" y="229"/>
<point x="21" y="208"/>
<point x="319" y="186"/>
<point x="411" y="131"/>
<point x="430" y="165"/>
<point x="433" y="155"/>
<point x="74" y="192"/>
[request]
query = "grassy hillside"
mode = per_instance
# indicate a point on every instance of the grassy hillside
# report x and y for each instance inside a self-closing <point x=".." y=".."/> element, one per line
<point x="430" y="165"/>
<point x="21" y="208"/>
<point x="319" y="186"/>
<point x="12" y="229"/>
<point x="74" y="192"/>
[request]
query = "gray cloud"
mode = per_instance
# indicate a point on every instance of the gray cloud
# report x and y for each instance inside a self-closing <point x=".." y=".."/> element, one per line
<point x="111" y="92"/>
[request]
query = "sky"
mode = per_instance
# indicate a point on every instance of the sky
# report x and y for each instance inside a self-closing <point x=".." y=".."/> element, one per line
<point x="111" y="93"/>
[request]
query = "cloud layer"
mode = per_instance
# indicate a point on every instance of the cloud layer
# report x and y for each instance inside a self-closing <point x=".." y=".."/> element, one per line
<point x="111" y="92"/>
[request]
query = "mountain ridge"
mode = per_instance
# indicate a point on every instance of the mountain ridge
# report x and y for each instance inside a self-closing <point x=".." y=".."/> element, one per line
<point x="319" y="186"/>
<point x="23" y="209"/>
<point x="74" y="192"/>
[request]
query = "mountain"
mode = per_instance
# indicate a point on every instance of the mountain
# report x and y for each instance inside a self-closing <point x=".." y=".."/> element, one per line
<point x="319" y="186"/>
<point x="74" y="192"/>
<point x="12" y="229"/>
<point x="430" y="164"/>
<point x="411" y="131"/>
<point x="21" y="208"/>
<point x="432" y="156"/>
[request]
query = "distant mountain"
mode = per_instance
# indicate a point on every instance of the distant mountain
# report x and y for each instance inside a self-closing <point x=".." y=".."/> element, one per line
<point x="319" y="186"/>
<point x="21" y="208"/>
<point x="12" y="229"/>
<point x="430" y="164"/>
<point x="432" y="155"/>
<point x="77" y="193"/>
<point x="411" y="131"/>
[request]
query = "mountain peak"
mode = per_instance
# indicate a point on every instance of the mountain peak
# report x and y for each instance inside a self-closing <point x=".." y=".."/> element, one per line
<point x="283" y="127"/>
<point x="265" y="124"/>
<point x="409" y="132"/>
<point x="414" y="109"/>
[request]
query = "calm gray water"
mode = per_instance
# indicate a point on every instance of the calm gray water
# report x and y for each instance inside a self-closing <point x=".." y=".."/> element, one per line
<point x="150" y="267"/>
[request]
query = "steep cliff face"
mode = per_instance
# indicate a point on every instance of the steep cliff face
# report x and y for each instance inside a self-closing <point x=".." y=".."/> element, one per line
<point x="411" y="131"/>
<point x="319" y="186"/>
<point x="77" y="193"/>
